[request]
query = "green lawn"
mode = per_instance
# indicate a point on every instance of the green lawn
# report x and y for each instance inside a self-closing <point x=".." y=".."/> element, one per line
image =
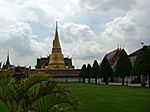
<point x="102" y="98"/>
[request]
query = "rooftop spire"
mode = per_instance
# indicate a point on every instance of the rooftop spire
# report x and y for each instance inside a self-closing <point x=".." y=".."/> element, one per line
<point x="56" y="26"/>
<point x="56" y="43"/>
<point x="7" y="62"/>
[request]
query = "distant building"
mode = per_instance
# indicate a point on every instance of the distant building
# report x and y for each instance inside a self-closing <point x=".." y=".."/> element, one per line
<point x="19" y="72"/>
<point x="133" y="55"/>
<point x="113" y="57"/>
<point x="7" y="64"/>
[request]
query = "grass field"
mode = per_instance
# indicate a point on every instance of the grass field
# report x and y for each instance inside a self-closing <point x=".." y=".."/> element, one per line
<point x="102" y="98"/>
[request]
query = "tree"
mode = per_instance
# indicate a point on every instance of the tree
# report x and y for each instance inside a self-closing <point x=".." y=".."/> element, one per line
<point x="106" y="70"/>
<point x="83" y="72"/>
<point x="37" y="93"/>
<point x="96" y="71"/>
<point x="142" y="63"/>
<point x="124" y="66"/>
<point x="88" y="72"/>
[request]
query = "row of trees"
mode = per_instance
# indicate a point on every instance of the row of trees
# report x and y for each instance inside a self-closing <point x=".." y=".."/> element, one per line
<point x="96" y="71"/>
<point x="123" y="68"/>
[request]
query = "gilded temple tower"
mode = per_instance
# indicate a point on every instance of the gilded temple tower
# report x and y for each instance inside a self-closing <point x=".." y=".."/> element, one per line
<point x="56" y="57"/>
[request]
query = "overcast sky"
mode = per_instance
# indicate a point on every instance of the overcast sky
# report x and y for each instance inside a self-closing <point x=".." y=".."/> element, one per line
<point x="86" y="28"/>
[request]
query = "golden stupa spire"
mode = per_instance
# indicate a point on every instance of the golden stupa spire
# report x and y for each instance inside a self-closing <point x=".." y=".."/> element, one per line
<point x="56" y="43"/>
<point x="56" y="59"/>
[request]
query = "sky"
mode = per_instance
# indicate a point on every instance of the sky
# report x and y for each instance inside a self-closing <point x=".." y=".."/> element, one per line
<point x="88" y="29"/>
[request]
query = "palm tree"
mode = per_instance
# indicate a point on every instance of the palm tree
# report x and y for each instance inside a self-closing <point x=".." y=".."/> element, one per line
<point x="37" y="93"/>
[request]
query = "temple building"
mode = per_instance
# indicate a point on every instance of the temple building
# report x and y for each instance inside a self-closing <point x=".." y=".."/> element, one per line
<point x="55" y="65"/>
<point x="19" y="72"/>
<point x="7" y="64"/>
<point x="113" y="57"/>
<point x="56" y="59"/>
<point x="133" y="55"/>
<point x="44" y="61"/>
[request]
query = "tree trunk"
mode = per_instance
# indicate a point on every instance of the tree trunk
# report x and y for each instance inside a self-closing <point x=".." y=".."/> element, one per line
<point x="122" y="81"/>
<point x="83" y="79"/>
<point x="106" y="80"/>
<point x="127" y="81"/>
<point x="111" y="79"/>
<point x="149" y="80"/>
<point x="95" y="80"/>
<point x="89" y="80"/>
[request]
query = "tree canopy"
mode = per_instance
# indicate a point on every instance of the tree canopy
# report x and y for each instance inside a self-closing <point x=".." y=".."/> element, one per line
<point x="142" y="62"/>
<point x="106" y="69"/>
<point x="88" y="72"/>
<point x="124" y="66"/>
<point x="83" y="72"/>
<point x="96" y="71"/>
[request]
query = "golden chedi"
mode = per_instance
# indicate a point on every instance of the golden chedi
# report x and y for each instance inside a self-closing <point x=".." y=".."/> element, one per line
<point x="56" y="59"/>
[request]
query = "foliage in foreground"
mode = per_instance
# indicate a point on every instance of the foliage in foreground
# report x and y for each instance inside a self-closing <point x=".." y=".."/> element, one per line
<point x="37" y="93"/>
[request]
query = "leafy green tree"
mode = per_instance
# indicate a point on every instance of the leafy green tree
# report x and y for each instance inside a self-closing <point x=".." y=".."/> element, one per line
<point x="106" y="70"/>
<point x="83" y="72"/>
<point x="96" y="71"/>
<point x="142" y="63"/>
<point x="124" y="66"/>
<point x="37" y="93"/>
<point x="88" y="72"/>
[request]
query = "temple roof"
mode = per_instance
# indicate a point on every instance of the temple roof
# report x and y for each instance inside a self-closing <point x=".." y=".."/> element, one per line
<point x="113" y="55"/>
<point x="135" y="53"/>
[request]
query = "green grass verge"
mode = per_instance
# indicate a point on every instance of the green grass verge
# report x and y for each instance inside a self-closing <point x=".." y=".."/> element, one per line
<point x="102" y="98"/>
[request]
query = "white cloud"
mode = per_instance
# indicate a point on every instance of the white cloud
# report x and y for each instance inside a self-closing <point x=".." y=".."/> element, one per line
<point x="129" y="30"/>
<point x="106" y="5"/>
<point x="118" y="22"/>
<point x="79" y="39"/>
<point x="80" y="42"/>
<point x="23" y="46"/>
